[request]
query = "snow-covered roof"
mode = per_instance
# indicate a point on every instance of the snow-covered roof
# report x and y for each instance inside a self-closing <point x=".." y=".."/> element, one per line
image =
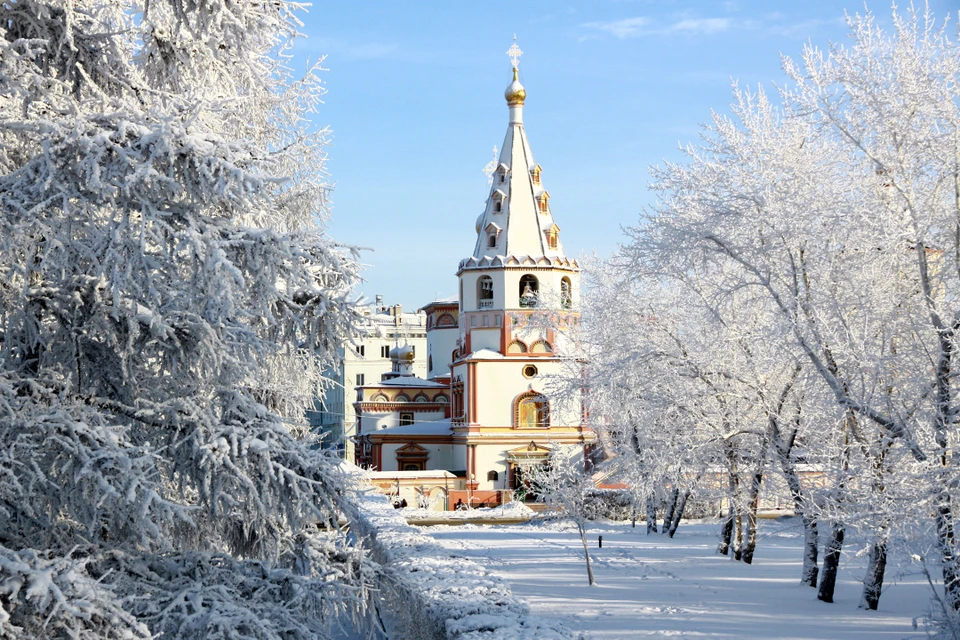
<point x="388" y="475"/>
<point x="485" y="354"/>
<point x="431" y="428"/>
<point x="407" y="381"/>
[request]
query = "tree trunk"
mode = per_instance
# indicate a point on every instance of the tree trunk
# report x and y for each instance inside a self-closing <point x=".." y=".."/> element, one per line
<point x="726" y="531"/>
<point x="948" y="556"/>
<point x="753" y="502"/>
<point x="651" y="515"/>
<point x="586" y="552"/>
<point x="678" y="513"/>
<point x="873" y="581"/>
<point x="831" y="562"/>
<point x="738" y="538"/>
<point x="811" y="541"/>
<point x="671" y="507"/>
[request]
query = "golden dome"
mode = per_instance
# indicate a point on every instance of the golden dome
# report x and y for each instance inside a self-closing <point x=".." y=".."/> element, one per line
<point x="515" y="93"/>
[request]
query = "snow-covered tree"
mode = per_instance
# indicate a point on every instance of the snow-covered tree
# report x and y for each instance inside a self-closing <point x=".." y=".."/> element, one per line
<point x="837" y="211"/>
<point x="161" y="267"/>
<point x="563" y="483"/>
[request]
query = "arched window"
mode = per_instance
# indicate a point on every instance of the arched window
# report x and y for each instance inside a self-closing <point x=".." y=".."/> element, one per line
<point x="529" y="286"/>
<point x="541" y="346"/>
<point x="566" y="297"/>
<point x="497" y="206"/>
<point x="516" y="347"/>
<point x="491" y="241"/>
<point x="493" y="476"/>
<point x="532" y="411"/>
<point x="485" y="291"/>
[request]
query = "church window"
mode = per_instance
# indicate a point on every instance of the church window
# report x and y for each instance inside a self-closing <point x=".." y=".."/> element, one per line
<point x="491" y="241"/>
<point x="360" y="379"/>
<point x="492" y="476"/>
<point x="486" y="320"/>
<point x="496" y="320"/>
<point x="442" y="399"/>
<point x="535" y="174"/>
<point x="430" y="362"/>
<point x="532" y="411"/>
<point x="385" y="351"/>
<point x="566" y="297"/>
<point x="402" y="398"/>
<point x="529" y="286"/>
<point x="473" y="321"/>
<point x="406" y="418"/>
<point x="529" y="371"/>
<point x="484" y="292"/>
<point x="497" y="206"/>
<point x="360" y="350"/>
<point x="412" y="466"/>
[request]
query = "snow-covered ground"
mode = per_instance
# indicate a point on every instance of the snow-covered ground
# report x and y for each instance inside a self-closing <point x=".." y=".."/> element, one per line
<point x="652" y="586"/>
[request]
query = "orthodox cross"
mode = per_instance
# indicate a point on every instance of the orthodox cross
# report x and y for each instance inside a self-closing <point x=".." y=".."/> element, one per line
<point x="514" y="52"/>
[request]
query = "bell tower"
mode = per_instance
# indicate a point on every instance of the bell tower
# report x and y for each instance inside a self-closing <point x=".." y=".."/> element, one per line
<point x="519" y="297"/>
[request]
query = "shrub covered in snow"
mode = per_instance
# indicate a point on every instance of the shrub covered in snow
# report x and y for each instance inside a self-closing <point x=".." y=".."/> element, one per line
<point x="432" y="594"/>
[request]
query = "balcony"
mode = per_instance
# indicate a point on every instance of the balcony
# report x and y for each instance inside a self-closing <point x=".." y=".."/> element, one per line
<point x="485" y="304"/>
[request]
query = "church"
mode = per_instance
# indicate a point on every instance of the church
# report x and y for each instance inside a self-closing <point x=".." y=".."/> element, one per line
<point x="486" y="410"/>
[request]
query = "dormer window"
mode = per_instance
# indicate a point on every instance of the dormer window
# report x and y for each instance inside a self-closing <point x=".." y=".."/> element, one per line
<point x="535" y="174"/>
<point x="493" y="234"/>
<point x="502" y="173"/>
<point x="542" y="201"/>
<point x="553" y="236"/>
<point x="498" y="198"/>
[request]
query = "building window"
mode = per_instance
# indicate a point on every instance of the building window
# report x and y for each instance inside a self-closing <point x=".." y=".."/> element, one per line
<point x="492" y="476"/>
<point x="412" y="466"/>
<point x="360" y="350"/>
<point x="385" y="351"/>
<point x="406" y="418"/>
<point x="473" y="321"/>
<point x="430" y="363"/>
<point x="566" y="297"/>
<point x="360" y="379"/>
<point x="535" y="174"/>
<point x="529" y="371"/>
<point x="496" y="320"/>
<point x="529" y="286"/>
<point x="491" y="241"/>
<point x="497" y="206"/>
<point x="532" y="411"/>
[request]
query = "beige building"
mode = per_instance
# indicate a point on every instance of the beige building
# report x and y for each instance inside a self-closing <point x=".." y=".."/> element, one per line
<point x="487" y="414"/>
<point x="366" y="360"/>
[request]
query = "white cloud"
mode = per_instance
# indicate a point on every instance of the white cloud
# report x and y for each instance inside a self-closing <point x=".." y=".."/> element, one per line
<point x="625" y="28"/>
<point x="643" y="26"/>
<point x="700" y="25"/>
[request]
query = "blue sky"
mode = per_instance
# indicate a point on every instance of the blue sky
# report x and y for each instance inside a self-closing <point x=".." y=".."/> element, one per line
<point x="415" y="104"/>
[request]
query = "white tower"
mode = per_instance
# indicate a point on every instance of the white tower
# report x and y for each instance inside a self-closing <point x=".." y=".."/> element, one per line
<point x="519" y="294"/>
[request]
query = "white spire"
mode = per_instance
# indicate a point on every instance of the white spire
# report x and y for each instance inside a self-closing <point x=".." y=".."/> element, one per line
<point x="517" y="220"/>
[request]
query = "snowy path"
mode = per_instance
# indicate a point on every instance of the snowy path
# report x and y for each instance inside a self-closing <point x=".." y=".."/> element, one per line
<point x="651" y="586"/>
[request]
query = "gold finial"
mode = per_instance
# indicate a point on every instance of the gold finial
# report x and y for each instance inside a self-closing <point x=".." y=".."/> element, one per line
<point x="514" y="52"/>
